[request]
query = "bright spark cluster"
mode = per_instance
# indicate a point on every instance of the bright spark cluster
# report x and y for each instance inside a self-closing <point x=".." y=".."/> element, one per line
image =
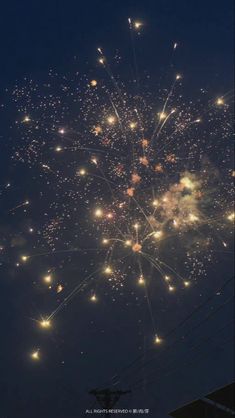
<point x="140" y="180"/>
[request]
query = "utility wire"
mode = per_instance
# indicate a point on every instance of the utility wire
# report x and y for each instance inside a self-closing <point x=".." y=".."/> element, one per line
<point x="193" y="347"/>
<point x="197" y="309"/>
<point x="190" y="331"/>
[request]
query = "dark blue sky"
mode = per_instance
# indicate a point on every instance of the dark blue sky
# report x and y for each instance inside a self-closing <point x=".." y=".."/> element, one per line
<point x="38" y="35"/>
<point x="34" y="37"/>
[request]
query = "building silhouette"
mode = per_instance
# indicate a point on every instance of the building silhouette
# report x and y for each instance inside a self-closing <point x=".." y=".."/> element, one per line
<point x="218" y="404"/>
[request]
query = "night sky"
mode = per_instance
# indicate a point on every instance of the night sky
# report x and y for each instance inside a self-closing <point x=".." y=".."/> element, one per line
<point x="90" y="343"/>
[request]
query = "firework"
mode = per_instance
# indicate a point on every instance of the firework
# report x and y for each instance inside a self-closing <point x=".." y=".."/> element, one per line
<point x="126" y="175"/>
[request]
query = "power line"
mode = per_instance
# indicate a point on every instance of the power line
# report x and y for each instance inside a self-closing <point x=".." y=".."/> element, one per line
<point x="194" y="347"/>
<point x="185" y="364"/>
<point x="192" y="329"/>
<point x="198" y="308"/>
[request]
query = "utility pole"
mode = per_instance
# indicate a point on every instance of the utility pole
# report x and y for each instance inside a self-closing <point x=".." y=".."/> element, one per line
<point x="108" y="398"/>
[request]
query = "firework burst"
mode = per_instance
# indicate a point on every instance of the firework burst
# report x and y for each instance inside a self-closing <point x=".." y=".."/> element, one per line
<point x="137" y="178"/>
